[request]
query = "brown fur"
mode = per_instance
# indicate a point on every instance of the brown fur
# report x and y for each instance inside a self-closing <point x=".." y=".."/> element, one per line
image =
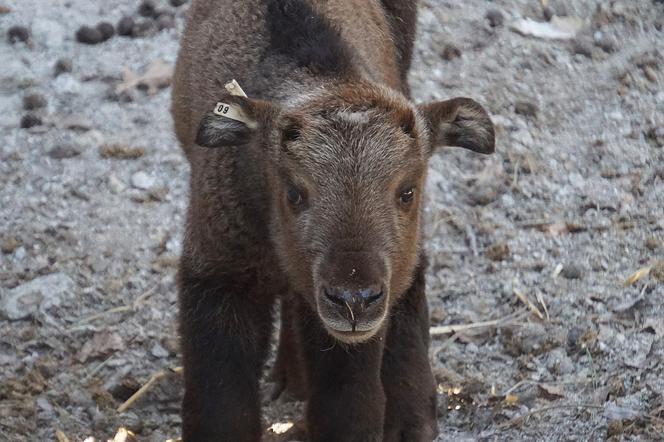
<point x="319" y="205"/>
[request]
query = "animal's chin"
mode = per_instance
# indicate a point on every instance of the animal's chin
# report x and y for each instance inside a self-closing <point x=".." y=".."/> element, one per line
<point x="352" y="337"/>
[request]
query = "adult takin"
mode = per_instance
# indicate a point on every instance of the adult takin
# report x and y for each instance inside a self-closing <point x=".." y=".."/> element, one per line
<point x="310" y="192"/>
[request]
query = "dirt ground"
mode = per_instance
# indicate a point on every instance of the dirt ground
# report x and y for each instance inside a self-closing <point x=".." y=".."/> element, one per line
<point x="538" y="238"/>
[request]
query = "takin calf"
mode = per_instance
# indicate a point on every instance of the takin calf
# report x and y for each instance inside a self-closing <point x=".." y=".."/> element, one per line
<point x="310" y="191"/>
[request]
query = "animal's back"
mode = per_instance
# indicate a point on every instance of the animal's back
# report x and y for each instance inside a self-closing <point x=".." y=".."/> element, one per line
<point x="226" y="39"/>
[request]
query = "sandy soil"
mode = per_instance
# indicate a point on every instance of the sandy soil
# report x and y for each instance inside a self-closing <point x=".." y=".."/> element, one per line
<point x="92" y="203"/>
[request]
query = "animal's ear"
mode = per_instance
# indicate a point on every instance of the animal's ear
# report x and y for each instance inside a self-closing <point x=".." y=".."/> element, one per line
<point x="234" y="121"/>
<point x="459" y="122"/>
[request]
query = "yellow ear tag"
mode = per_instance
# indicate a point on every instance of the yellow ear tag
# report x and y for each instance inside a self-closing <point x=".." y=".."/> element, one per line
<point x="233" y="111"/>
<point x="233" y="88"/>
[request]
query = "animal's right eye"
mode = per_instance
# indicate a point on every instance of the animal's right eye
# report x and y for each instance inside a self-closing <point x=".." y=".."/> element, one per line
<point x="407" y="195"/>
<point x="294" y="196"/>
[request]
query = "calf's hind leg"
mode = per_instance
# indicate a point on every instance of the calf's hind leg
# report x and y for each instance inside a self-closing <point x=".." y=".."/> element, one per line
<point x="225" y="328"/>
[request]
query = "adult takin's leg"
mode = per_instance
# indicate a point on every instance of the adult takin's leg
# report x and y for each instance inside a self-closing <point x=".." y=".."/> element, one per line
<point x="225" y="328"/>
<point x="346" y="400"/>
<point x="409" y="384"/>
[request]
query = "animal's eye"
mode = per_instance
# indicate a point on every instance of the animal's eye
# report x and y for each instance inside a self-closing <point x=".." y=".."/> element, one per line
<point x="294" y="196"/>
<point x="407" y="195"/>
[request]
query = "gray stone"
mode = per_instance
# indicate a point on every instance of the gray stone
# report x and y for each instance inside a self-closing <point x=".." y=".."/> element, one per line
<point x="34" y="101"/>
<point x="495" y="18"/>
<point x="63" y="151"/>
<point x="34" y="296"/>
<point x="572" y="271"/>
<point x="158" y="351"/>
<point x="62" y="66"/>
<point x="142" y="180"/>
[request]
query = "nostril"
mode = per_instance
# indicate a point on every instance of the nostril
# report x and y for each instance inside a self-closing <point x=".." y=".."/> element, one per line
<point x="371" y="299"/>
<point x="334" y="297"/>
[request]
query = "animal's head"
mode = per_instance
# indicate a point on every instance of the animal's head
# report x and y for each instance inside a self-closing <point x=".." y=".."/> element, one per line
<point x="346" y="169"/>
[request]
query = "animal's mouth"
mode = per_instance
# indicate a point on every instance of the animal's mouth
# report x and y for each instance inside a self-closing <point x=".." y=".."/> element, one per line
<point x="347" y="328"/>
<point x="352" y="337"/>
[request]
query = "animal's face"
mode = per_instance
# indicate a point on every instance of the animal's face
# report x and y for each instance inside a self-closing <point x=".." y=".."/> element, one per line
<point x="346" y="171"/>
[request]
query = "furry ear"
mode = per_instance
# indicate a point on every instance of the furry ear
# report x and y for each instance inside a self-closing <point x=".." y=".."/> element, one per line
<point x="459" y="122"/>
<point x="234" y="121"/>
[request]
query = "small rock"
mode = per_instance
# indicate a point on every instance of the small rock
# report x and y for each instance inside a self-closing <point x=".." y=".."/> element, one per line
<point x="481" y="195"/>
<point x="106" y="29"/>
<point x="653" y="243"/>
<point x="547" y="13"/>
<point x="580" y="339"/>
<point x="615" y="428"/>
<point x="438" y="314"/>
<point x="63" y="65"/>
<point x="655" y="136"/>
<point x="165" y="21"/>
<point x="88" y="35"/>
<point x="582" y="47"/>
<point x="9" y="244"/>
<point x="63" y="151"/>
<point x="650" y="74"/>
<point x="450" y="52"/>
<point x="77" y="122"/>
<point x="40" y="294"/>
<point x="144" y="28"/>
<point x="125" y="388"/>
<point x="18" y="34"/>
<point x="158" y="351"/>
<point x="559" y="28"/>
<point x="657" y="271"/>
<point x="558" y="7"/>
<point x="4" y="10"/>
<point x="30" y="120"/>
<point x="20" y="253"/>
<point x="171" y="344"/>
<point x="530" y="339"/>
<point x="604" y="42"/>
<point x="498" y="252"/>
<point x="142" y="180"/>
<point x="559" y="363"/>
<point x="121" y="151"/>
<point x="177" y="3"/>
<point x="34" y="101"/>
<point x="125" y="26"/>
<point x="146" y="9"/>
<point x="571" y="271"/>
<point x="101" y="345"/>
<point x="526" y="108"/>
<point x="495" y="18"/>
<point x="115" y="184"/>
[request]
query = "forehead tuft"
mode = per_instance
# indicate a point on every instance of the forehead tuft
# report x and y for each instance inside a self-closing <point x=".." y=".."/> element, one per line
<point x="356" y="132"/>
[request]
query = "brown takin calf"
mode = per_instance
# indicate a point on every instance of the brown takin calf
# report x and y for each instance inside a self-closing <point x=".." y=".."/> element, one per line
<point x="311" y="192"/>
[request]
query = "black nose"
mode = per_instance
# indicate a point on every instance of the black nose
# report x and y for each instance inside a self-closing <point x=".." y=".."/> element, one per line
<point x="354" y="303"/>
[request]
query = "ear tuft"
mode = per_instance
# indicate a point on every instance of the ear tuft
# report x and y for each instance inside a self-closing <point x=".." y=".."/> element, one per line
<point x="460" y="122"/>
<point x="218" y="131"/>
<point x="407" y="122"/>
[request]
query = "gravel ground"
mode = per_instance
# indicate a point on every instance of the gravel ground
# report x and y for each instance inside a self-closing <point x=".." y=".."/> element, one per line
<point x="92" y="203"/>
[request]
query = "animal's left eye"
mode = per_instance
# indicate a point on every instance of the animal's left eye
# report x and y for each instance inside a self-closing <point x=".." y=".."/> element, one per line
<point x="407" y="195"/>
<point x="294" y="196"/>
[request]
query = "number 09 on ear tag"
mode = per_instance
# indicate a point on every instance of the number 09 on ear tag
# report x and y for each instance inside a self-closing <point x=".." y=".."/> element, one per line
<point x="234" y="112"/>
